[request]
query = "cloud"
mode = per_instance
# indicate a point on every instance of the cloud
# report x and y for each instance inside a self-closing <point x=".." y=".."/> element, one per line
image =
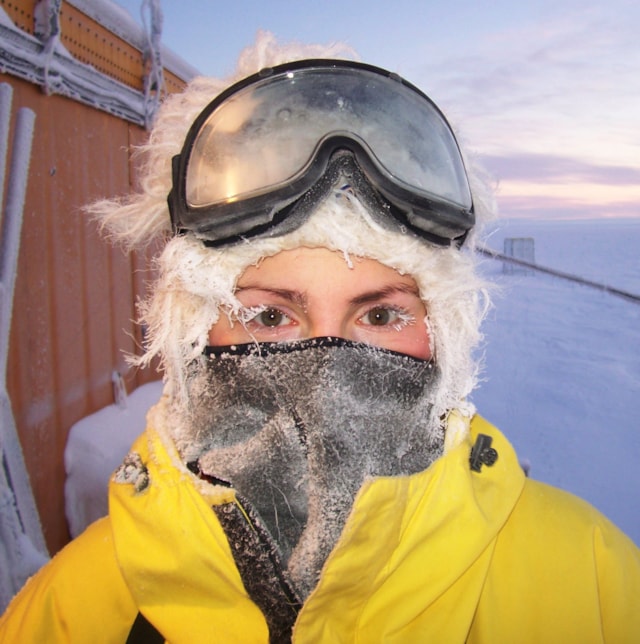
<point x="542" y="168"/>
<point x="551" y="105"/>
<point x="566" y="80"/>
<point x="548" y="208"/>
<point x="549" y="186"/>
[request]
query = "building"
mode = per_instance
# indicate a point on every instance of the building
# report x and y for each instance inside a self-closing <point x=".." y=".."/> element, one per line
<point x="91" y="79"/>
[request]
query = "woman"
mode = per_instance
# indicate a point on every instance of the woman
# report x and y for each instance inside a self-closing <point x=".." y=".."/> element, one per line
<point x="314" y="470"/>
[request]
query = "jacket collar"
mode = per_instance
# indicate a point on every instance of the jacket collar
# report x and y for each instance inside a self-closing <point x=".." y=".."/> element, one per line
<point x="411" y="544"/>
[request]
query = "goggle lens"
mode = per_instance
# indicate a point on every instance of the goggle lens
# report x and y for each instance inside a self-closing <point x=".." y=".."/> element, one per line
<point x="265" y="135"/>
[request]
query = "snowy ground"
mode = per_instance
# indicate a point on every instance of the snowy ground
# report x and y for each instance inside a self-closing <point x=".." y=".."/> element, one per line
<point x="562" y="378"/>
<point x="563" y="362"/>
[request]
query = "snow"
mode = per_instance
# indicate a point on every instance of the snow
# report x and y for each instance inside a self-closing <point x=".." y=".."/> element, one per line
<point x="23" y="55"/>
<point x="561" y="380"/>
<point x="95" y="447"/>
<point x="52" y="66"/>
<point x="563" y="362"/>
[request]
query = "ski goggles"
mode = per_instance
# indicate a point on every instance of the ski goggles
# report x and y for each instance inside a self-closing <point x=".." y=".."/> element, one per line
<point x="266" y="141"/>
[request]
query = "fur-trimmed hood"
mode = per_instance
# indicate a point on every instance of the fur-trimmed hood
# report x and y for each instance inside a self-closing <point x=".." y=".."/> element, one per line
<point x="196" y="284"/>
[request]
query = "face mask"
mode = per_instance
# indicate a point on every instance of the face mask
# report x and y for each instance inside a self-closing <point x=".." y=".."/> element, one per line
<point x="296" y="428"/>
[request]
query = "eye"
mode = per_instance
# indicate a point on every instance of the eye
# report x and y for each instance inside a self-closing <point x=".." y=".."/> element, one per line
<point x="271" y="317"/>
<point x="383" y="316"/>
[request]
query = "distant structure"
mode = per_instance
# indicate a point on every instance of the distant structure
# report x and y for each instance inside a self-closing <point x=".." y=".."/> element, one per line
<point x="522" y="249"/>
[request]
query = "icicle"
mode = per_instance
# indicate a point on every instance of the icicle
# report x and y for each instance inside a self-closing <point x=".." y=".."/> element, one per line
<point x="154" y="77"/>
<point x="47" y="29"/>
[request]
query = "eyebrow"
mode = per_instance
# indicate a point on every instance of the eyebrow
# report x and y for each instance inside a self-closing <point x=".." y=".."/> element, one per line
<point x="297" y="297"/>
<point x="300" y="299"/>
<point x="387" y="291"/>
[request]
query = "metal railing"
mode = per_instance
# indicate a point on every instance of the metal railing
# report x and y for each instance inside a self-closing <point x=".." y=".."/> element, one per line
<point x="488" y="252"/>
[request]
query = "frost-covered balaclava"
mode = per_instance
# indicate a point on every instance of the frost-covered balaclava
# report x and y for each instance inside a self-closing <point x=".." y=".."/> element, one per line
<point x="296" y="429"/>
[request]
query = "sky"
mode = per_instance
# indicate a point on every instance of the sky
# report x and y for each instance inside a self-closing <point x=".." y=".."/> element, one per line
<point x="545" y="93"/>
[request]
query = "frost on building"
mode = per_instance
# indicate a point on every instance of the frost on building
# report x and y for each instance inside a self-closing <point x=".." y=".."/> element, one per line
<point x="80" y="81"/>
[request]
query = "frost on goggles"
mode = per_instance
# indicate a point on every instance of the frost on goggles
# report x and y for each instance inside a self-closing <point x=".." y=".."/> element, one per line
<point x="265" y="135"/>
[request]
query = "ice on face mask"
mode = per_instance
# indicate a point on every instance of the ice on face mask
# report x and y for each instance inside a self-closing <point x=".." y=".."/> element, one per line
<point x="296" y="428"/>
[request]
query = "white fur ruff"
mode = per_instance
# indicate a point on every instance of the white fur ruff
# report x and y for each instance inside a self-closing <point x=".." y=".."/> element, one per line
<point x="196" y="283"/>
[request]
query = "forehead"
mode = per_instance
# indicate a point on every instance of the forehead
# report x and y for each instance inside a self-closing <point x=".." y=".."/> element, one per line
<point x="321" y="266"/>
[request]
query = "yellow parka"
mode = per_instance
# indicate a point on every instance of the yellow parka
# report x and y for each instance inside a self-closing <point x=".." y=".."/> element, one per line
<point x="445" y="555"/>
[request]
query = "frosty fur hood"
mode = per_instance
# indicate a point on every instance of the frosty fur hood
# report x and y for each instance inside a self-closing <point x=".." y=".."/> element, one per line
<point x="196" y="283"/>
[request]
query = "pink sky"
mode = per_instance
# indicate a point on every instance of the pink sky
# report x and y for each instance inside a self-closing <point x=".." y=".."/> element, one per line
<point x="545" y="91"/>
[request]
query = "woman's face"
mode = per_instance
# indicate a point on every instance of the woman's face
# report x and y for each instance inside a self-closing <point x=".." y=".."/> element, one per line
<point x="312" y="292"/>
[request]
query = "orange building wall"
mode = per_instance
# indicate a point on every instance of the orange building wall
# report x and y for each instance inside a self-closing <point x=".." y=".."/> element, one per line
<point x="75" y="295"/>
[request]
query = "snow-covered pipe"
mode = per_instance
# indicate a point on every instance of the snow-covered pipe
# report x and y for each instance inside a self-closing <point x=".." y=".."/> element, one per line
<point x="23" y="547"/>
<point x="12" y="224"/>
<point x="6" y="94"/>
<point x="154" y="77"/>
